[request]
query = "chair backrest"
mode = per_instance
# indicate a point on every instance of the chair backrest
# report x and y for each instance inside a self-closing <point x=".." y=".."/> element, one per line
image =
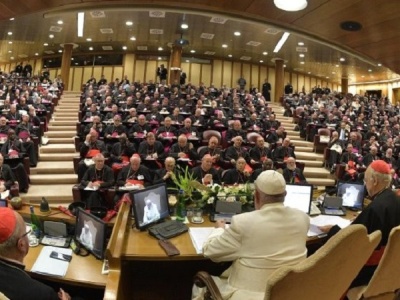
<point x="328" y="272"/>
<point x="252" y="137"/>
<point x="386" y="279"/>
<point x="324" y="131"/>
<point x="207" y="134"/>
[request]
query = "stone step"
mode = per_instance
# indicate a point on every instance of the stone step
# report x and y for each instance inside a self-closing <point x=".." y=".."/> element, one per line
<point x="64" y="140"/>
<point x="70" y="133"/>
<point x="321" y="181"/>
<point x="58" y="156"/>
<point x="311" y="163"/>
<point x="53" y="193"/>
<point x="60" y="117"/>
<point x="317" y="172"/>
<point x="309" y="156"/>
<point x="53" y="167"/>
<point x="66" y="108"/>
<point x="62" y="128"/>
<point x="302" y="143"/>
<point x="53" y="178"/>
<point x="58" y="148"/>
<point x="303" y="149"/>
<point x="291" y="137"/>
<point x="62" y="122"/>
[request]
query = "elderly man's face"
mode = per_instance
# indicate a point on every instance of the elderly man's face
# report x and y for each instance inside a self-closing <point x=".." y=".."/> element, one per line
<point x="150" y="140"/>
<point x="286" y="143"/>
<point x="236" y="126"/>
<point x="206" y="163"/>
<point x="291" y="164"/>
<point x="135" y="164"/>
<point x="188" y="123"/>
<point x="260" y="142"/>
<point x="212" y="143"/>
<point x="182" y="142"/>
<point x="142" y="120"/>
<point x="169" y="165"/>
<point x="240" y="164"/>
<point x="99" y="163"/>
<point x="237" y="142"/>
<point x="167" y="122"/>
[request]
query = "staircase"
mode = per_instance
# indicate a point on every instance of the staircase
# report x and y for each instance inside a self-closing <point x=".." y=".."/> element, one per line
<point x="314" y="171"/>
<point x="54" y="176"/>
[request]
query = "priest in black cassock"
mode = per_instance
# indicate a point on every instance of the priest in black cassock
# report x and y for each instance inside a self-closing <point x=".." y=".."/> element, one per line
<point x="237" y="175"/>
<point x="205" y="173"/>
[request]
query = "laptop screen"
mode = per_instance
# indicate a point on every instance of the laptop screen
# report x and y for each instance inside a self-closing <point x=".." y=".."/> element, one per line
<point x="352" y="194"/>
<point x="299" y="196"/>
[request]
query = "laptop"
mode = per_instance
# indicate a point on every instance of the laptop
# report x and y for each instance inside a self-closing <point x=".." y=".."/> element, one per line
<point x="333" y="206"/>
<point x="225" y="210"/>
<point x="55" y="234"/>
<point x="300" y="196"/>
<point x="353" y="194"/>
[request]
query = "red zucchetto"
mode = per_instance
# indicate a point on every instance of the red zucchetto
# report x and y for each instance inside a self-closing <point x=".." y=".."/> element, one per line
<point x="8" y="221"/>
<point x="380" y="166"/>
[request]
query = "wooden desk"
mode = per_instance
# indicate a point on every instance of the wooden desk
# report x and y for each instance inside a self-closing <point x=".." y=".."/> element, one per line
<point x="82" y="271"/>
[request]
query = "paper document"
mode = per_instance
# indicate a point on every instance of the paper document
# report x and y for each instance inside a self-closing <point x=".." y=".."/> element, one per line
<point x="323" y="220"/>
<point x="199" y="236"/>
<point x="5" y="194"/>
<point x="44" y="264"/>
<point x="93" y="188"/>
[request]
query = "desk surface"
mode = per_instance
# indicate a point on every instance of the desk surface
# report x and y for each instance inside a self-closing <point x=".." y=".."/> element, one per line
<point x="83" y="271"/>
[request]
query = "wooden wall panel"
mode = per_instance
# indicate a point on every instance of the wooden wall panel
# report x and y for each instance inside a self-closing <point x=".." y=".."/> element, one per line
<point x="227" y="73"/>
<point x="118" y="72"/>
<point x="139" y="70"/>
<point x="237" y="69"/>
<point x="295" y="83"/>
<point x="301" y="82"/>
<point x="87" y="73"/>
<point x="287" y="78"/>
<point x="255" y="77"/>
<point x="246" y="74"/>
<point x="206" y="74"/>
<point x="151" y="71"/>
<point x="52" y="74"/>
<point x="263" y="75"/>
<point x="185" y="67"/>
<point x="37" y="67"/>
<point x="271" y="80"/>
<point x="313" y="82"/>
<point x="217" y="73"/>
<point x="129" y="62"/>
<point x="76" y="80"/>
<point x="97" y="72"/>
<point x="108" y="73"/>
<point x="195" y="73"/>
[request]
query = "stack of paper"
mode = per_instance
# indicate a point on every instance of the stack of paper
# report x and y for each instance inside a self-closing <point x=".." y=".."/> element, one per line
<point x="323" y="220"/>
<point x="199" y="235"/>
<point x="49" y="266"/>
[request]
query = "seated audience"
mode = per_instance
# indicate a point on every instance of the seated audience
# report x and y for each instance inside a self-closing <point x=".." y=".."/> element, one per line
<point x="284" y="152"/>
<point x="183" y="149"/>
<point x="292" y="174"/>
<point x="166" y="174"/>
<point x="134" y="174"/>
<point x="205" y="173"/>
<point x="238" y="174"/>
<point x="234" y="152"/>
<point x="259" y="152"/>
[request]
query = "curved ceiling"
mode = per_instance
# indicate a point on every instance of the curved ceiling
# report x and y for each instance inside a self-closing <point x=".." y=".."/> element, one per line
<point x="212" y="24"/>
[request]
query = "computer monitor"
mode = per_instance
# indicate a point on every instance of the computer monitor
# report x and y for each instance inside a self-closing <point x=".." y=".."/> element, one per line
<point x="352" y="194"/>
<point x="90" y="232"/>
<point x="299" y="196"/>
<point x="149" y="205"/>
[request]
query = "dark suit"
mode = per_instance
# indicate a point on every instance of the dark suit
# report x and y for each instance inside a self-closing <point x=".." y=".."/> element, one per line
<point x="142" y="174"/>
<point x="292" y="175"/>
<point x="282" y="152"/>
<point x="176" y="149"/>
<point x="199" y="173"/>
<point x="233" y="176"/>
<point x="234" y="153"/>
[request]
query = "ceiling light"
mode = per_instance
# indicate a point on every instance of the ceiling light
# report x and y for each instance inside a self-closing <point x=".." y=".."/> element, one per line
<point x="265" y="53"/>
<point x="362" y="76"/>
<point x="60" y="22"/>
<point x="187" y="60"/>
<point x="88" y="39"/>
<point x="12" y="57"/>
<point x="337" y="66"/>
<point x="261" y="61"/>
<point x="308" y="72"/>
<point x="300" y="43"/>
<point x="10" y="42"/>
<point x="192" y="51"/>
<point x="379" y="65"/>
<point x="129" y="23"/>
<point x="72" y="58"/>
<point x="51" y="36"/>
<point x="224" y="46"/>
<point x="90" y="48"/>
<point x="45" y="44"/>
<point x="229" y="55"/>
<point x="184" y="26"/>
<point x="59" y="51"/>
<point x="36" y="54"/>
<point x="302" y="62"/>
<point x="9" y="33"/>
<point x="342" y="59"/>
<point x="159" y="58"/>
<point x="327" y="77"/>
<point x="237" y="33"/>
<point x="284" y="66"/>
<point x="133" y="38"/>
<point x="291" y="5"/>
<point x="301" y="55"/>
<point x="369" y="70"/>
<point x="160" y="49"/>
<point x="124" y="47"/>
<point x="281" y="42"/>
<point x="81" y="21"/>
<point x="9" y="51"/>
<point x="12" y="19"/>
<point x="333" y="72"/>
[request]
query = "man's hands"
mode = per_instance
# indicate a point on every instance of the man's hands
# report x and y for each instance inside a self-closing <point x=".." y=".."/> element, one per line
<point x="62" y="295"/>
<point x="325" y="228"/>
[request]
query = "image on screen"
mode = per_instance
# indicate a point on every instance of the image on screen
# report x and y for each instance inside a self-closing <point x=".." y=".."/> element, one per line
<point x="352" y="194"/>
<point x="299" y="196"/>
<point x="90" y="232"/>
<point x="149" y="205"/>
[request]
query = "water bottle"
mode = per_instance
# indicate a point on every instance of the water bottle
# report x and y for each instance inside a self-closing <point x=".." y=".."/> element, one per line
<point x="36" y="226"/>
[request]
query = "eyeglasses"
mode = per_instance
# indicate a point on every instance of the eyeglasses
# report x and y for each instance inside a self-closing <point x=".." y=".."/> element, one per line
<point x="25" y="234"/>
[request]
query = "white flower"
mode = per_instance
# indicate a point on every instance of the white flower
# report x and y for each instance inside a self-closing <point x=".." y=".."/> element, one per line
<point x="210" y="200"/>
<point x="231" y="199"/>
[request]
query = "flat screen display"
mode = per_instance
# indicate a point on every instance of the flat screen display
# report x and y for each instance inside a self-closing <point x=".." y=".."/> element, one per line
<point x="150" y="205"/>
<point x="299" y="196"/>
<point x="90" y="232"/>
<point x="353" y="194"/>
